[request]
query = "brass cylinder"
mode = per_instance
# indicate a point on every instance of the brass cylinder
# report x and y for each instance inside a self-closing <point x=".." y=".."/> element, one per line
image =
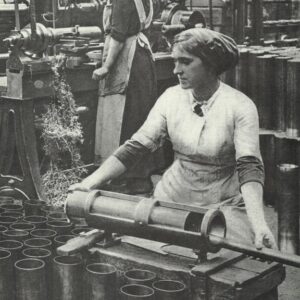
<point x="101" y="281"/>
<point x="169" y="290"/>
<point x="6" y="276"/>
<point x="61" y="227"/>
<point x="43" y="233"/>
<point x="33" y="207"/>
<point x="136" y="291"/>
<point x="139" y="276"/>
<point x="38" y="243"/>
<point x="30" y="279"/>
<point x="37" y="221"/>
<point x="288" y="207"/>
<point x="22" y="226"/>
<point x="13" y="246"/>
<point x="18" y="235"/>
<point x="293" y="96"/>
<point x="67" y="278"/>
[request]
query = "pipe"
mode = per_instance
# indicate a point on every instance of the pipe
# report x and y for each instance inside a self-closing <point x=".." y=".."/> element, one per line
<point x="44" y="233"/>
<point x="17" y="16"/>
<point x="57" y="216"/>
<point x="288" y="207"/>
<point x="169" y="290"/>
<point x="168" y="222"/>
<point x="38" y="243"/>
<point x="265" y="90"/>
<point x="139" y="276"/>
<point x="67" y="278"/>
<point x="14" y="247"/>
<point x="62" y="228"/>
<point x="18" y="235"/>
<point x="257" y="21"/>
<point x="33" y="207"/>
<point x="30" y="279"/>
<point x="293" y="95"/>
<point x="37" y="221"/>
<point x="280" y="94"/>
<point x="6" y="276"/>
<point x="101" y="281"/>
<point x="33" y="21"/>
<point x="12" y="207"/>
<point x="46" y="256"/>
<point x="22" y="226"/>
<point x="136" y="291"/>
<point x="6" y="221"/>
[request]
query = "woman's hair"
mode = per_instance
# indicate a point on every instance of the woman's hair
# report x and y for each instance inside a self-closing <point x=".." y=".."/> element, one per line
<point x="215" y="49"/>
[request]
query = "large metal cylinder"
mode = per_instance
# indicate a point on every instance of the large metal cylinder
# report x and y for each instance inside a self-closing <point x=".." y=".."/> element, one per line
<point x="169" y="290"/>
<point x="136" y="291"/>
<point x="293" y="93"/>
<point x="101" y="281"/>
<point x="139" y="276"/>
<point x="265" y="90"/>
<point x="30" y="279"/>
<point x="280" y="94"/>
<point x="148" y="218"/>
<point x="6" y="276"/>
<point x="288" y="207"/>
<point x="67" y="278"/>
<point x="14" y="247"/>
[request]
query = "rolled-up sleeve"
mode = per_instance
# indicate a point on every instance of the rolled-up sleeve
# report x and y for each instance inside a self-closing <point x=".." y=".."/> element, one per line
<point x="122" y="14"/>
<point x="246" y="130"/>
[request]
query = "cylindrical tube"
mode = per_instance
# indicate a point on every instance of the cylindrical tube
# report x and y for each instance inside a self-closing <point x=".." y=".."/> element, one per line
<point x="33" y="207"/>
<point x="136" y="291"/>
<point x="38" y="243"/>
<point x="37" y="221"/>
<point x="57" y="216"/>
<point x="267" y="146"/>
<point x="280" y="94"/>
<point x="14" y="247"/>
<point x="67" y="278"/>
<point x="30" y="279"/>
<point x="43" y="233"/>
<point x="62" y="228"/>
<point x="101" y="281"/>
<point x="18" y="235"/>
<point x="6" y="199"/>
<point x="45" y="210"/>
<point x="288" y="208"/>
<point x="242" y="70"/>
<point x="46" y="256"/>
<point x="265" y="90"/>
<point x="22" y="226"/>
<point x="169" y="290"/>
<point x="12" y="207"/>
<point x="139" y="276"/>
<point x="14" y="214"/>
<point x="6" y="276"/>
<point x="293" y="96"/>
<point x="6" y="221"/>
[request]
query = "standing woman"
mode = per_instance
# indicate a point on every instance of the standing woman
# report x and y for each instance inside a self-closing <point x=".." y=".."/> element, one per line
<point x="127" y="86"/>
<point x="214" y="131"/>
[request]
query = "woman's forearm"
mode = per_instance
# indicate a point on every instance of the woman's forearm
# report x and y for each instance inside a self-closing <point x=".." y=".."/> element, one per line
<point x="110" y="169"/>
<point x="253" y="194"/>
<point x="113" y="51"/>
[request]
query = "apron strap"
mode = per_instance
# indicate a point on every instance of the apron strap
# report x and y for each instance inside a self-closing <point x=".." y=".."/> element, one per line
<point x="144" y="21"/>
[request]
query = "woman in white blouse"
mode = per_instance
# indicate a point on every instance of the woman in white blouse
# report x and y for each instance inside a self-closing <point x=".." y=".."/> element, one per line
<point x="214" y="131"/>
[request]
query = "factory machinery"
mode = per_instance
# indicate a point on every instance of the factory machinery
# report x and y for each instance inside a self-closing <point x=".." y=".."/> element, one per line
<point x="185" y="244"/>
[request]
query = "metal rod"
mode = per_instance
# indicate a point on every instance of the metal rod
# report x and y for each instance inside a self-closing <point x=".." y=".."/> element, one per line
<point x="17" y="15"/>
<point x="211" y="25"/>
<point x="33" y="20"/>
<point x="264" y="253"/>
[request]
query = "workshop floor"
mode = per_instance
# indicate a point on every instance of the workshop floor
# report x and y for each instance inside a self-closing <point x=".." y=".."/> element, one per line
<point x="290" y="288"/>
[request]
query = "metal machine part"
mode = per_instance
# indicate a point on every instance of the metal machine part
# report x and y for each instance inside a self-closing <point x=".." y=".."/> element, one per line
<point x="191" y="227"/>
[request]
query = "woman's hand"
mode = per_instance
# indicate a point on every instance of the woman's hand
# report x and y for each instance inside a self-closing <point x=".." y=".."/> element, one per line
<point x="264" y="238"/>
<point x="79" y="187"/>
<point x="100" y="73"/>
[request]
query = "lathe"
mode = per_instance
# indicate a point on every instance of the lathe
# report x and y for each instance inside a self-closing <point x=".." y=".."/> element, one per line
<point x="176" y="241"/>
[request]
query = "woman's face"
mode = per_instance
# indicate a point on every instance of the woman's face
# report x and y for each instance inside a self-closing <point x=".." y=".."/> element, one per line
<point x="190" y="70"/>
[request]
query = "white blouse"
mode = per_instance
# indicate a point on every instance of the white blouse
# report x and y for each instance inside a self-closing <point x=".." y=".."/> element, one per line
<point x="206" y="148"/>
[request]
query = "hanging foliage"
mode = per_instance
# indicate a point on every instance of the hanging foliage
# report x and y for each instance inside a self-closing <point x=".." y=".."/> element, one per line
<point x="62" y="136"/>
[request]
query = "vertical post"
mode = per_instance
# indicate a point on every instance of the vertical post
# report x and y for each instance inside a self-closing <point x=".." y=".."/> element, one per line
<point x="211" y="22"/>
<point x="17" y="16"/>
<point x="33" y="20"/>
